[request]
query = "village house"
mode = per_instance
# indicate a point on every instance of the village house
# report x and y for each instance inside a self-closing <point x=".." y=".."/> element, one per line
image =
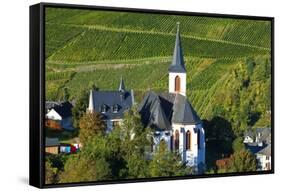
<point x="52" y="145"/>
<point x="59" y="115"/>
<point x="258" y="141"/>
<point x="111" y="104"/>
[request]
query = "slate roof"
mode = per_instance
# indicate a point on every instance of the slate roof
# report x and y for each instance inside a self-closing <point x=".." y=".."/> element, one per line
<point x="49" y="142"/>
<point x="64" y="109"/>
<point x="178" y="60"/>
<point x="111" y="100"/>
<point x="265" y="149"/>
<point x="264" y="132"/>
<point x="159" y="111"/>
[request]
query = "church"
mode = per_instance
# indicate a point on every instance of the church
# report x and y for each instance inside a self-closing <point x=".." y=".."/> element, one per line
<point x="172" y="116"/>
<point x="169" y="114"/>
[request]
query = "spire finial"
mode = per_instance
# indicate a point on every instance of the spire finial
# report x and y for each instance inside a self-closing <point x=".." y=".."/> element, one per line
<point x="178" y="26"/>
<point x="122" y="84"/>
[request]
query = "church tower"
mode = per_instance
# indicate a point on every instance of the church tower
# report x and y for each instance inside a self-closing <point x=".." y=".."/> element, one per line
<point x="177" y="71"/>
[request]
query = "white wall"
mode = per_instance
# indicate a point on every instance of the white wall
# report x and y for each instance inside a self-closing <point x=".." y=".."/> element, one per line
<point x="193" y="156"/>
<point x="172" y="77"/>
<point x="53" y="115"/>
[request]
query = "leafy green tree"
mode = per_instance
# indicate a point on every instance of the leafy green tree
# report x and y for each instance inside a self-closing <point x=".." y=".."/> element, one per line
<point x="166" y="163"/>
<point x="242" y="161"/>
<point x="90" y="125"/>
<point x="91" y="164"/>
<point x="80" y="107"/>
<point x="238" y="145"/>
<point x="135" y="144"/>
<point x="50" y="173"/>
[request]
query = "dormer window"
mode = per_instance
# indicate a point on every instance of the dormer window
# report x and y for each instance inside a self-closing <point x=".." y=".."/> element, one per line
<point x="103" y="108"/>
<point x="115" y="108"/>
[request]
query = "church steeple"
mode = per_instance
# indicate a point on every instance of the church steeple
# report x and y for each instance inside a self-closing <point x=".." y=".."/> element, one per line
<point x="122" y="85"/>
<point x="178" y="60"/>
<point x="177" y="71"/>
<point x="91" y="105"/>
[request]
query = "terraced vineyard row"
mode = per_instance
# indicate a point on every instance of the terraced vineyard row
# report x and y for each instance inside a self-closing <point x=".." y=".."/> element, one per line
<point x="94" y="45"/>
<point x="216" y="28"/>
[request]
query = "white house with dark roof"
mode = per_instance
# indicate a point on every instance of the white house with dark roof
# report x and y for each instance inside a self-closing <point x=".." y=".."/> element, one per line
<point x="60" y="113"/>
<point x="111" y="104"/>
<point x="258" y="141"/>
<point x="172" y="116"/>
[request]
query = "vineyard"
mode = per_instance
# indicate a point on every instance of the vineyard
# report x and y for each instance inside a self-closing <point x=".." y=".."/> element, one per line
<point x="86" y="48"/>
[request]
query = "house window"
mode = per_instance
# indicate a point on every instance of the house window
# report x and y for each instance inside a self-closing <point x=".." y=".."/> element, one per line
<point x="267" y="166"/>
<point x="188" y="140"/>
<point x="177" y="84"/>
<point x="198" y="138"/>
<point x="267" y="158"/>
<point x="103" y="108"/>
<point x="115" y="108"/>
<point x="177" y="141"/>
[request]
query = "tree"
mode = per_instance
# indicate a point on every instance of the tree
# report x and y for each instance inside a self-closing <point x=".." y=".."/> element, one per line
<point x="135" y="142"/>
<point x="80" y="107"/>
<point x="50" y="173"/>
<point x="238" y="145"/>
<point x="91" y="164"/>
<point x="166" y="163"/>
<point x="90" y="125"/>
<point x="242" y="161"/>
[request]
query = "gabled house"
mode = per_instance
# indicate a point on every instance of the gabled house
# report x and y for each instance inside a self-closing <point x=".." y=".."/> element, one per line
<point x="260" y="145"/>
<point x="111" y="104"/>
<point x="172" y="116"/>
<point x="60" y="116"/>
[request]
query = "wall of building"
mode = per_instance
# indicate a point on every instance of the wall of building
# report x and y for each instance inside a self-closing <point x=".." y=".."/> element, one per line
<point x="172" y="77"/>
<point x="194" y="156"/>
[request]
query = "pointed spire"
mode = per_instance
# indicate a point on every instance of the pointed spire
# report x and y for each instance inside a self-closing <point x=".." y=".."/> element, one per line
<point x="122" y="85"/>
<point x="91" y="105"/>
<point x="178" y="60"/>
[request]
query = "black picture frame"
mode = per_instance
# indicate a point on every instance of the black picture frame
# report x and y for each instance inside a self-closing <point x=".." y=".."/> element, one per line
<point x="37" y="93"/>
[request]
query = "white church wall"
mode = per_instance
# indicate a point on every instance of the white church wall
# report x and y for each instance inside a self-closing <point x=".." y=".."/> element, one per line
<point x="193" y="156"/>
<point x="172" y="77"/>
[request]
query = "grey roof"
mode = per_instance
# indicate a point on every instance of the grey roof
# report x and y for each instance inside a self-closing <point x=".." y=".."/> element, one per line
<point x="255" y="148"/>
<point x="184" y="112"/>
<point x="262" y="133"/>
<point x="121" y="100"/>
<point x="122" y="85"/>
<point x="64" y="109"/>
<point x="50" y="104"/>
<point x="178" y="60"/>
<point x="266" y="151"/>
<point x="49" y="142"/>
<point x="159" y="111"/>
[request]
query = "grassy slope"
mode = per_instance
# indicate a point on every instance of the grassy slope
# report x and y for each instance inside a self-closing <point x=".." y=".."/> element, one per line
<point x="102" y="46"/>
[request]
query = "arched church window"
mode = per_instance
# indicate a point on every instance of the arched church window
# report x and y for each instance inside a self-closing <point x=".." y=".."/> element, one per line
<point x="188" y="140"/>
<point x="177" y="84"/>
<point x="198" y="138"/>
<point x="177" y="141"/>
